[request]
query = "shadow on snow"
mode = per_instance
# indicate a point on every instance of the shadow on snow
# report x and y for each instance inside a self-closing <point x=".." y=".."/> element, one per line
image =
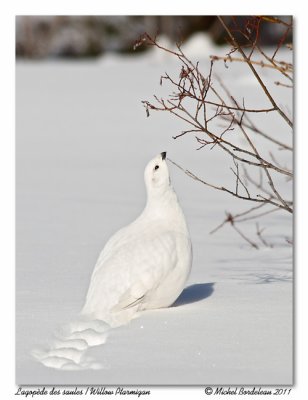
<point x="194" y="293"/>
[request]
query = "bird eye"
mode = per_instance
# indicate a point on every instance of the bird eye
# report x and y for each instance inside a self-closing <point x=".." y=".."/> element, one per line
<point x="156" y="167"/>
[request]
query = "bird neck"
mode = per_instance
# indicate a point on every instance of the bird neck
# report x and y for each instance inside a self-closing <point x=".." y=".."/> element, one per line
<point x="161" y="197"/>
<point x="165" y="206"/>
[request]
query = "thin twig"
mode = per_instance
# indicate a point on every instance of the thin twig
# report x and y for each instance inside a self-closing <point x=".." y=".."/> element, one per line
<point x="259" y="199"/>
<point x="285" y="67"/>
<point x="192" y="88"/>
<point x="236" y="45"/>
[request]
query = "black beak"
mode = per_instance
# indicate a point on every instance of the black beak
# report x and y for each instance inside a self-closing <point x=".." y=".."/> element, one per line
<point x="163" y="155"/>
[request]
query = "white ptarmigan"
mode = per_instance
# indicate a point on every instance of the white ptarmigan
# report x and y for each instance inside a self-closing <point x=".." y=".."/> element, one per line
<point x="144" y="265"/>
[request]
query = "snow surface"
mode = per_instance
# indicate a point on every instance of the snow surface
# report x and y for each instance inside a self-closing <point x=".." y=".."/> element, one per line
<point x="82" y="143"/>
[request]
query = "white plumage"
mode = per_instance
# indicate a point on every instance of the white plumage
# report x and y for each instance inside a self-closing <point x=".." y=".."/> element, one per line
<point x="144" y="265"/>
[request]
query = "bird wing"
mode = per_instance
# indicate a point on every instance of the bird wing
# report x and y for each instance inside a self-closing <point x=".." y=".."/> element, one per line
<point x="126" y="301"/>
<point x="132" y="264"/>
<point x="147" y="262"/>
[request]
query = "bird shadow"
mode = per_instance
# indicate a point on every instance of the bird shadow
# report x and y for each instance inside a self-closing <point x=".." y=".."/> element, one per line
<point x="194" y="293"/>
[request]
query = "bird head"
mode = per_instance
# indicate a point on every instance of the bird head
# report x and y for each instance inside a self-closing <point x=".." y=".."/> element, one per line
<point x="156" y="175"/>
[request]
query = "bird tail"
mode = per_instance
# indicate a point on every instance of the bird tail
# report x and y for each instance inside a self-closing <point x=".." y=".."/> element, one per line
<point x="68" y="348"/>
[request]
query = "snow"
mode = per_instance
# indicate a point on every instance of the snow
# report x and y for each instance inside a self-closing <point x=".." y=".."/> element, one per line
<point x="199" y="44"/>
<point x="83" y="141"/>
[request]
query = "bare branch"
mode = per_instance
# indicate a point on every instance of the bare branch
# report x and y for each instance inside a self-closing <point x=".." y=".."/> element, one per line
<point x="249" y="124"/>
<point x="196" y="101"/>
<point x="283" y="84"/>
<point x="259" y="199"/>
<point x="237" y="46"/>
<point x="283" y="68"/>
